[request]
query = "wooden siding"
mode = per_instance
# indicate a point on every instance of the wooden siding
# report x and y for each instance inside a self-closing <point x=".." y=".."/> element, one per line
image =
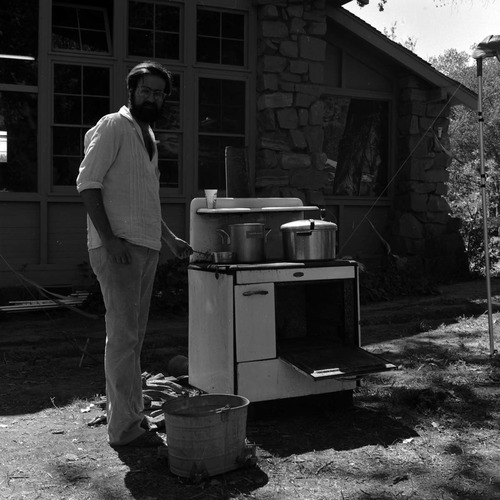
<point x="67" y="234"/>
<point x="19" y="238"/>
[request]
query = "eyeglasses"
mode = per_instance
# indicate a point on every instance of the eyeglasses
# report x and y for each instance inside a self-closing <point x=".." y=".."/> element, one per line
<point x="146" y="93"/>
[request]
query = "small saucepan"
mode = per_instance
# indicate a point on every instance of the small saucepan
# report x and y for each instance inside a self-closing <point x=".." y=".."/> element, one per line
<point x="223" y="257"/>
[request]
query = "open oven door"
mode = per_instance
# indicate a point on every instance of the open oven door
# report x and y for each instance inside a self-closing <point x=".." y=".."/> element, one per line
<point x="325" y="360"/>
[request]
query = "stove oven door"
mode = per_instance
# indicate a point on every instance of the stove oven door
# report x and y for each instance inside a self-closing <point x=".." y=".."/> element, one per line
<point x="318" y="325"/>
<point x="322" y="360"/>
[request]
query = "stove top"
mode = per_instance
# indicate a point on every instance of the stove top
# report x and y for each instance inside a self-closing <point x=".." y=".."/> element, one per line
<point x="210" y="266"/>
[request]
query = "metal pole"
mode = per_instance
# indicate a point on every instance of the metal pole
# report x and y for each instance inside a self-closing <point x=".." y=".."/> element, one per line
<point x="484" y="194"/>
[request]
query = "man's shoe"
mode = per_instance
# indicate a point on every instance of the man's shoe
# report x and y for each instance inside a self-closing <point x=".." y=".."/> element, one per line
<point x="148" y="425"/>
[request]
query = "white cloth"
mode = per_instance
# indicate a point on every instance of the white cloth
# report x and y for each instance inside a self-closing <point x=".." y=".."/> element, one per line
<point x="117" y="162"/>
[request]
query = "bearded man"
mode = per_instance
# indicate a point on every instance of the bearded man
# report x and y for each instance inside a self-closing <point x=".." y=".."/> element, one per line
<point x="119" y="184"/>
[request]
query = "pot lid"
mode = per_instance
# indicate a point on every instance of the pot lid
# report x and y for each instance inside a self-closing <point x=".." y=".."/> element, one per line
<point x="308" y="225"/>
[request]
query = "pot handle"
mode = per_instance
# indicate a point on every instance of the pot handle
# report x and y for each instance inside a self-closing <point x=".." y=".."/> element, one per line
<point x="222" y="234"/>
<point x="307" y="233"/>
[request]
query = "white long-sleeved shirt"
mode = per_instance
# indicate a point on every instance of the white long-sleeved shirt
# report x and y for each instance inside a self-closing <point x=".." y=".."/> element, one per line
<point x="117" y="162"/>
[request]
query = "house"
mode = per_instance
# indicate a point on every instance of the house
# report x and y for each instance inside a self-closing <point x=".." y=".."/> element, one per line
<point x="328" y="108"/>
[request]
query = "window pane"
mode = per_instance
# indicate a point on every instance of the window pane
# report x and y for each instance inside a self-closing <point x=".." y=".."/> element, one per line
<point x="140" y="43"/>
<point x="222" y="106"/>
<point x="81" y="29"/>
<point x="233" y="26"/>
<point x="211" y="161"/>
<point x="167" y="18"/>
<point x="356" y="145"/>
<point x="168" y="159"/>
<point x="18" y="72"/>
<point x="167" y="46"/>
<point x="64" y="16"/>
<point x="208" y="50"/>
<point x="66" y="170"/>
<point x="232" y="52"/>
<point x="169" y="139"/>
<point x="220" y="37"/>
<point x="91" y="19"/>
<point x="154" y="30"/>
<point x="65" y="39"/>
<point x="3" y="146"/>
<point x="67" y="141"/>
<point x="208" y="23"/>
<point x="171" y="117"/>
<point x="95" y="81"/>
<point x="140" y="15"/>
<point x="93" y="109"/>
<point x="67" y="109"/>
<point x="94" y="41"/>
<point x="67" y="79"/>
<point x="19" y="37"/>
<point x="81" y="98"/>
<point x="18" y="122"/>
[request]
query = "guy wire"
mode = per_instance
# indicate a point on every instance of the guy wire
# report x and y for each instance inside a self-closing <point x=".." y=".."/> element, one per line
<point x="365" y="216"/>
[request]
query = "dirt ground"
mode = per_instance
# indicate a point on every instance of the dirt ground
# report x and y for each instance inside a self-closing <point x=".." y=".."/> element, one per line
<point x="427" y="431"/>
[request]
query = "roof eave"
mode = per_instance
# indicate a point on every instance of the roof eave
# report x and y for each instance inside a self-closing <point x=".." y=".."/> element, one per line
<point x="457" y="93"/>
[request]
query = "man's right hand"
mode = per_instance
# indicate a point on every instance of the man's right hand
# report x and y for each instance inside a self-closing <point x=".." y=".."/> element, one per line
<point x="116" y="247"/>
<point x="117" y="250"/>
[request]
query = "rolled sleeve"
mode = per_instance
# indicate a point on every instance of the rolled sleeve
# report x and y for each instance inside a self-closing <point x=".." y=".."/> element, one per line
<point x="83" y="185"/>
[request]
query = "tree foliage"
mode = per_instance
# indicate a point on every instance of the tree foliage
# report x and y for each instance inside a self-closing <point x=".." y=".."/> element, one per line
<point x="381" y="3"/>
<point x="464" y="189"/>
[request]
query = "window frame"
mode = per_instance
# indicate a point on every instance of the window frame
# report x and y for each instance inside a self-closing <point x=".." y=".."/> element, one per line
<point x="81" y="52"/>
<point x="63" y="188"/>
<point x="182" y="23"/>
<point x="218" y="76"/>
<point x="188" y="70"/>
<point x="389" y="98"/>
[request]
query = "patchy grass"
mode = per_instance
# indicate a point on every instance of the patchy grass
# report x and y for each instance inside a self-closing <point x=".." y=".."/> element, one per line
<point x="427" y="431"/>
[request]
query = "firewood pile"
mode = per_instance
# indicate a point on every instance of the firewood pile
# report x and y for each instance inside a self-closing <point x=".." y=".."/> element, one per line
<point x="156" y="390"/>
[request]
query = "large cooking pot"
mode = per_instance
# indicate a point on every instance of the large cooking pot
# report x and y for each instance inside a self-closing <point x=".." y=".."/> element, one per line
<point x="247" y="241"/>
<point x="309" y="240"/>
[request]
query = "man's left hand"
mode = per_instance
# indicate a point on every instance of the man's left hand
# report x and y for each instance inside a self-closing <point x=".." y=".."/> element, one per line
<point x="180" y="248"/>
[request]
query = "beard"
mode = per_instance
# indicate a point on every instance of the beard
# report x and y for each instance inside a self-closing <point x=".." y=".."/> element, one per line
<point x="147" y="112"/>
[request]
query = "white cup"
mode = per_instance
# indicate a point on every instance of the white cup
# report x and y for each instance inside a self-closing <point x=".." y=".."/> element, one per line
<point x="211" y="196"/>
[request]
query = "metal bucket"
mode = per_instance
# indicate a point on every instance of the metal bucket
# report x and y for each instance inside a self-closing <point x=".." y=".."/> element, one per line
<point x="206" y="435"/>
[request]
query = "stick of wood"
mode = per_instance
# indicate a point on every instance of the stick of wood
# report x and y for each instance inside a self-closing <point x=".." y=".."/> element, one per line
<point x="84" y="351"/>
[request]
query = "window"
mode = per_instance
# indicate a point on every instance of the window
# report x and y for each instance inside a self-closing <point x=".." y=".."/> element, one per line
<point x="80" y="29"/>
<point x="18" y="95"/>
<point x="356" y="145"/>
<point x="154" y="30"/>
<point x="18" y="126"/>
<point x="169" y="138"/>
<point x="220" y="37"/>
<point x="81" y="97"/>
<point x="3" y="146"/>
<point x="221" y="123"/>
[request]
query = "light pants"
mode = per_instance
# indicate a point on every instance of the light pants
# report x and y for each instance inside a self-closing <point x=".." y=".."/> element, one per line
<point x="126" y="290"/>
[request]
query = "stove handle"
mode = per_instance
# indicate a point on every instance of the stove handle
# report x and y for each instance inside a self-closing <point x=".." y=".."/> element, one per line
<point x="255" y="292"/>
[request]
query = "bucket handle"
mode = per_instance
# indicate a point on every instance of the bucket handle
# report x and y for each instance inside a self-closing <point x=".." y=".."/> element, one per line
<point x="224" y="412"/>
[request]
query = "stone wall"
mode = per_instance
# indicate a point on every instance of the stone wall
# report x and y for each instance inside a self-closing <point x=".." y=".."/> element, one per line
<point x="422" y="228"/>
<point x="290" y="160"/>
<point x="291" y="56"/>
